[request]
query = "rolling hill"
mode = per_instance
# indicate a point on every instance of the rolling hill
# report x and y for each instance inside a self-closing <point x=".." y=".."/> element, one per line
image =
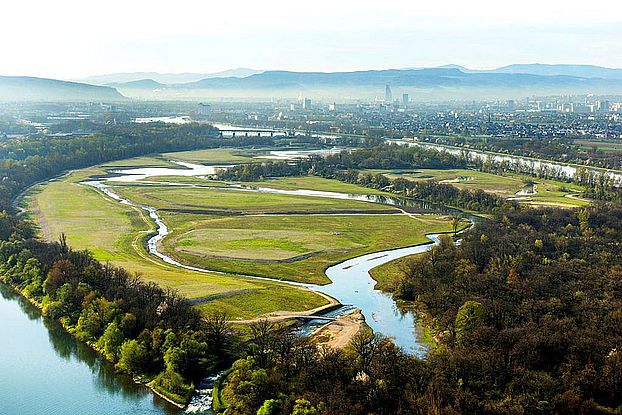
<point x="422" y="84"/>
<point x="25" y="88"/>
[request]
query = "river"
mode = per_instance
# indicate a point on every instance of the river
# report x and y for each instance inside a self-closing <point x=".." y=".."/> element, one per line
<point x="45" y="370"/>
<point x="520" y="164"/>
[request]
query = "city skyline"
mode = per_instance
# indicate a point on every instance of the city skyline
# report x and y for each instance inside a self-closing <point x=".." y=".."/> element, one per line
<point x="67" y="40"/>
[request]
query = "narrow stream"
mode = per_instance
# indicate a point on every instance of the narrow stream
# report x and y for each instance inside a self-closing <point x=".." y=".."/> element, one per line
<point x="351" y="283"/>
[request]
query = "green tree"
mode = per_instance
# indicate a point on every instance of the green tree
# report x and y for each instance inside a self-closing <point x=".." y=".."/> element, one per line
<point x="304" y="407"/>
<point x="270" y="407"/>
<point x="470" y="316"/>
<point x="110" y="342"/>
<point x="133" y="357"/>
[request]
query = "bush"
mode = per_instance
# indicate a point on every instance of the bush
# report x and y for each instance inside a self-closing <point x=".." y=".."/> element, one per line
<point x="172" y="385"/>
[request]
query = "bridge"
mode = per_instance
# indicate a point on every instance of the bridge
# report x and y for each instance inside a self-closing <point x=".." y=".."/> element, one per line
<point x="255" y="132"/>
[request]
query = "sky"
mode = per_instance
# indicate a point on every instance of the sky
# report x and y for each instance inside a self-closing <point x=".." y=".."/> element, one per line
<point x="71" y="39"/>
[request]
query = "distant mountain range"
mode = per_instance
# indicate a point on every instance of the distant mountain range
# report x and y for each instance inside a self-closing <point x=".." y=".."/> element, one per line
<point x="422" y="84"/>
<point x="448" y="82"/>
<point x="166" y="78"/>
<point x="581" y="71"/>
<point x="25" y="88"/>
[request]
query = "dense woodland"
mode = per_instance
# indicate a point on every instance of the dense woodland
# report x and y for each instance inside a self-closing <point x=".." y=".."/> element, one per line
<point x="146" y="331"/>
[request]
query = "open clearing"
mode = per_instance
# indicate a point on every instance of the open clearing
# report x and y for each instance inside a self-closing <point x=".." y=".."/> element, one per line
<point x="314" y="242"/>
<point x="228" y="223"/>
<point x="215" y="156"/>
<point x="236" y="201"/>
<point x="216" y="226"/>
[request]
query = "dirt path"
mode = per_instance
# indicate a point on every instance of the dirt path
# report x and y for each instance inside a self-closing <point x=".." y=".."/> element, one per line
<point x="338" y="334"/>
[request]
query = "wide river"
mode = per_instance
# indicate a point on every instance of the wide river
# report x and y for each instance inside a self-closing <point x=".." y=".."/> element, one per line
<point x="44" y="370"/>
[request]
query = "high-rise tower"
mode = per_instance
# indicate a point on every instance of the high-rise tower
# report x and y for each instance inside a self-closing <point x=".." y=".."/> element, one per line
<point x="388" y="95"/>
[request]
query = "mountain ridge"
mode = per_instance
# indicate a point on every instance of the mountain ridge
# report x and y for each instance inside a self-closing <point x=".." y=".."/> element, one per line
<point x="29" y="88"/>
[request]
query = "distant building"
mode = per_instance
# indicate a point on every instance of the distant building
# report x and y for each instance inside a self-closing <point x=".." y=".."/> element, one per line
<point x="603" y="106"/>
<point x="388" y="95"/>
<point x="306" y="104"/>
<point x="405" y="100"/>
<point x="332" y="107"/>
<point x="204" y="109"/>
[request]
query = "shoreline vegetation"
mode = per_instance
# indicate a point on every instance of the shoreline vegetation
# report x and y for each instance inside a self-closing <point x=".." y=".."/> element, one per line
<point x="93" y="346"/>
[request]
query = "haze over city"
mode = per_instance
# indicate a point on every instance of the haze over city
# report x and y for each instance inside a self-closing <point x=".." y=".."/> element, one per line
<point x="71" y="40"/>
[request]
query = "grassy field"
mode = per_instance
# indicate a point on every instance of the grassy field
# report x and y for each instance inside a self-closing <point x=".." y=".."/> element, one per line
<point x="115" y="232"/>
<point x="548" y="192"/>
<point x="466" y="179"/>
<point x="280" y="183"/>
<point x="293" y="247"/>
<point x="602" y="145"/>
<point x="289" y="237"/>
<point x="233" y="201"/>
<point x="316" y="183"/>
<point x="146" y="161"/>
<point x="387" y="275"/>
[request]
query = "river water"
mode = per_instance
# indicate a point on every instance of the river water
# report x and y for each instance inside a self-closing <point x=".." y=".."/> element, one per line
<point x="44" y="370"/>
<point x="521" y="164"/>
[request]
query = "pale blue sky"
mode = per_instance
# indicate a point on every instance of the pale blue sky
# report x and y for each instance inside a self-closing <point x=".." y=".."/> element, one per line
<point x="72" y="39"/>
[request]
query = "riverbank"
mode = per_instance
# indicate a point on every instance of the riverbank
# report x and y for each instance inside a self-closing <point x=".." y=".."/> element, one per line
<point x="337" y="334"/>
<point x="143" y="381"/>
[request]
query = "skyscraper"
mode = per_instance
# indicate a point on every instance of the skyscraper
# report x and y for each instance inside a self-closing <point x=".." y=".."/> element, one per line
<point x="388" y="95"/>
<point x="405" y="100"/>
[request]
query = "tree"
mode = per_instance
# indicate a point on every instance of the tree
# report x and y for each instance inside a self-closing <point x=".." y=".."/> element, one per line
<point x="455" y="223"/>
<point x="133" y="357"/>
<point x="270" y="407"/>
<point x="218" y="334"/>
<point x="304" y="407"/>
<point x="470" y="316"/>
<point x="110" y="342"/>
<point x="172" y="383"/>
<point x="94" y="318"/>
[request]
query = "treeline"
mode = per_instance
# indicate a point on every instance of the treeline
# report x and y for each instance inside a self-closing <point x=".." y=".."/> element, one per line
<point x="151" y="333"/>
<point x="430" y="191"/>
<point x="599" y="185"/>
<point x="528" y="314"/>
<point x="343" y="166"/>
<point x="23" y="163"/>
<point x="391" y="156"/>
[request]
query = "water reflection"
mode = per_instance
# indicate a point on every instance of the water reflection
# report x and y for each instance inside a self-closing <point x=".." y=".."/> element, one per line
<point x="66" y="378"/>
